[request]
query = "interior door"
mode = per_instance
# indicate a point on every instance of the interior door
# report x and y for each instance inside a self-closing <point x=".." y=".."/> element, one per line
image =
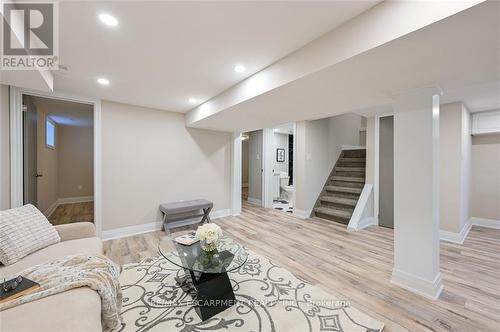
<point x="386" y="172"/>
<point x="30" y="168"/>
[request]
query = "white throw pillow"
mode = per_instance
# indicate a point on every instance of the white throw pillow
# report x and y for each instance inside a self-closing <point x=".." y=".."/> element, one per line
<point x="24" y="230"/>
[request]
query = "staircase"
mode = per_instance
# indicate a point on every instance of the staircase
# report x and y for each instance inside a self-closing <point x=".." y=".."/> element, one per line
<point x="343" y="187"/>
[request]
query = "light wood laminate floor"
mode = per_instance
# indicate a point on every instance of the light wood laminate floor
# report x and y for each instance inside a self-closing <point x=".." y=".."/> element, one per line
<point x="358" y="266"/>
<point x="72" y="212"/>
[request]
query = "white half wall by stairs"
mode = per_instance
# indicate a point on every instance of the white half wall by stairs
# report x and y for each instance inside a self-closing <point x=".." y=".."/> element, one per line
<point x="362" y="215"/>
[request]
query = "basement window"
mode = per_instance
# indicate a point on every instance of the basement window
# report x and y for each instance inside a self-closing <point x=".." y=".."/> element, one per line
<point x="50" y="133"/>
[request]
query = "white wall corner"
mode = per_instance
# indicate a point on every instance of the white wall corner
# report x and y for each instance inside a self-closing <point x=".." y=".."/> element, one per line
<point x="483" y="222"/>
<point x="362" y="215"/>
<point x="154" y="226"/>
<point x="302" y="214"/>
<point x="430" y="289"/>
<point x="454" y="237"/>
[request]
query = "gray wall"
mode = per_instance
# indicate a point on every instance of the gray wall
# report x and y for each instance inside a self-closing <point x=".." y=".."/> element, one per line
<point x="255" y="166"/>
<point x="485" y="190"/>
<point x="386" y="172"/>
<point x="244" y="163"/>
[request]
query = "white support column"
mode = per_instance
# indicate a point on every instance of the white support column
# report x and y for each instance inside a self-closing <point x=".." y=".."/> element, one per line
<point x="236" y="174"/>
<point x="416" y="196"/>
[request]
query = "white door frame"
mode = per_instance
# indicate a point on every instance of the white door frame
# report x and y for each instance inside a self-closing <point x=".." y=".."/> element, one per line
<point x="236" y="164"/>
<point x="16" y="146"/>
<point x="267" y="167"/>
<point x="376" y="166"/>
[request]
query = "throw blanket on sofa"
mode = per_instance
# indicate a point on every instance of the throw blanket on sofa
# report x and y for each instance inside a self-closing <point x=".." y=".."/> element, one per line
<point x="97" y="272"/>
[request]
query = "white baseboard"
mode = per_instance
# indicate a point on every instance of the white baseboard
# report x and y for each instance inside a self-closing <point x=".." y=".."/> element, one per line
<point x="130" y="230"/>
<point x="51" y="209"/>
<point x="155" y="226"/>
<point x="483" y="222"/>
<point x="254" y="201"/>
<point x="427" y="288"/>
<point x="459" y="238"/>
<point x="67" y="200"/>
<point x="453" y="237"/>
<point x="303" y="214"/>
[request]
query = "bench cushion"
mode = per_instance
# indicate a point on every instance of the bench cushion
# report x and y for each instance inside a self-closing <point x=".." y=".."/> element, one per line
<point x="185" y="206"/>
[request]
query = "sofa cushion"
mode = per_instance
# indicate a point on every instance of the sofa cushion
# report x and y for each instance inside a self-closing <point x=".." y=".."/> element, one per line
<point x="24" y="230"/>
<point x="78" y="309"/>
<point x="87" y="246"/>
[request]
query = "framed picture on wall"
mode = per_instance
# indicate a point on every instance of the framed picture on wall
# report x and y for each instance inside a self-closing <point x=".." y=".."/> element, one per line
<point x="280" y="155"/>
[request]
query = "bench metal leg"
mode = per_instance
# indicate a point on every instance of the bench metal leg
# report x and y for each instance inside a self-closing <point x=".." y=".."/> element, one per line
<point x="206" y="216"/>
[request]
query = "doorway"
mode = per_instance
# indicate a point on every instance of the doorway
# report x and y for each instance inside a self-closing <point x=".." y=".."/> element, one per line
<point x="58" y="158"/>
<point x="282" y="183"/>
<point x="251" y="167"/>
<point x="386" y="172"/>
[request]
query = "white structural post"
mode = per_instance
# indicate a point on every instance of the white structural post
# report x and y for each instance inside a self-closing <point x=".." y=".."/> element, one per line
<point x="416" y="195"/>
<point x="236" y="174"/>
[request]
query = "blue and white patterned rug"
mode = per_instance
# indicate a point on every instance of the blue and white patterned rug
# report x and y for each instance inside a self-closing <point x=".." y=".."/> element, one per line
<point x="269" y="298"/>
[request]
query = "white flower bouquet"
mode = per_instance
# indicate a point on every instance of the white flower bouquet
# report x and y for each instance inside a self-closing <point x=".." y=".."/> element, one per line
<point x="208" y="234"/>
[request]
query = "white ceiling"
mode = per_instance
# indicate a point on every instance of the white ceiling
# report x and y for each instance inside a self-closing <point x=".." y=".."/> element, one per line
<point x="162" y="53"/>
<point x="459" y="55"/>
<point x="66" y="113"/>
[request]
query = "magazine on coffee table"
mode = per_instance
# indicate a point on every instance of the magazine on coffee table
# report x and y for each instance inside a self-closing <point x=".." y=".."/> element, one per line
<point x="187" y="239"/>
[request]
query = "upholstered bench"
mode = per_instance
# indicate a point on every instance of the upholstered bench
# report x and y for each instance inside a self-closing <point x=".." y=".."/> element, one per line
<point x="174" y="211"/>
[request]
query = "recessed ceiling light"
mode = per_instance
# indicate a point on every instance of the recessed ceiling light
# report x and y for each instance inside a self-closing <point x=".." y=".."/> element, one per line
<point x="239" y="68"/>
<point x="108" y="20"/>
<point x="193" y="100"/>
<point x="103" y="81"/>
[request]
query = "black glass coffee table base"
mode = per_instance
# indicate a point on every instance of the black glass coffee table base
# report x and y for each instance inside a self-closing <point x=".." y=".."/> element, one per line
<point x="214" y="292"/>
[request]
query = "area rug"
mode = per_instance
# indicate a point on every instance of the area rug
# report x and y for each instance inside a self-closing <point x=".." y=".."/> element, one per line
<point x="269" y="298"/>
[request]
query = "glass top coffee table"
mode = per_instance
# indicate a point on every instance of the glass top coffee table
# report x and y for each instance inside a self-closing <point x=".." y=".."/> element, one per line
<point x="207" y="271"/>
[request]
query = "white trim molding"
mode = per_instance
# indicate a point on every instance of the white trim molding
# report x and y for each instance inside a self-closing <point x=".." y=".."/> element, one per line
<point x="254" y="201"/>
<point x="362" y="215"/>
<point x="16" y="145"/>
<point x="453" y="237"/>
<point x="267" y="166"/>
<point x="302" y="214"/>
<point x="483" y="222"/>
<point x="459" y="238"/>
<point x="50" y="209"/>
<point x="429" y="289"/>
<point x="236" y="174"/>
<point x="154" y="226"/>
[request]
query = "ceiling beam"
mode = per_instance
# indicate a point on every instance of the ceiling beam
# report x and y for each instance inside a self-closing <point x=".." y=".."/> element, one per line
<point x="377" y="26"/>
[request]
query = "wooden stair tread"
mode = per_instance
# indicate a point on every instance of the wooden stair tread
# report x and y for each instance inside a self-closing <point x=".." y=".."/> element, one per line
<point x="339" y="200"/>
<point x="356" y="160"/>
<point x="333" y="212"/>
<point x="351" y="190"/>
<point x="347" y="179"/>
<point x="350" y="169"/>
